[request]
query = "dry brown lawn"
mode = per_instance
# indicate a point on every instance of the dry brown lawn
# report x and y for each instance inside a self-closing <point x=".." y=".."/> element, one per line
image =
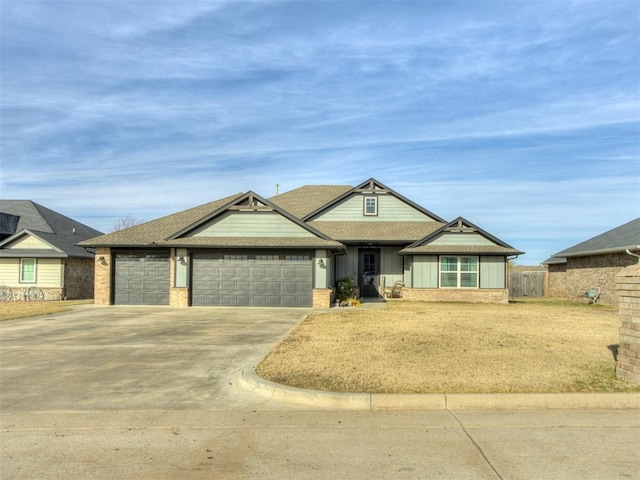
<point x="13" y="310"/>
<point x="415" y="347"/>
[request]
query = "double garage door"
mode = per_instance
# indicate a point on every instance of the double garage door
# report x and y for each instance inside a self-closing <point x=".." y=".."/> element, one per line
<point x="274" y="279"/>
<point x="283" y="279"/>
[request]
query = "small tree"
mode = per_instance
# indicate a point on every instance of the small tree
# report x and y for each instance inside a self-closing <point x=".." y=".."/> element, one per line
<point x="125" y="222"/>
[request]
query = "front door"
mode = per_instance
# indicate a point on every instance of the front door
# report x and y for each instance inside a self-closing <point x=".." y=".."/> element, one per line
<point x="368" y="269"/>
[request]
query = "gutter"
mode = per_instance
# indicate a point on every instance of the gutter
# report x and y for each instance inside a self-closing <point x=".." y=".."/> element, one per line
<point x="601" y="251"/>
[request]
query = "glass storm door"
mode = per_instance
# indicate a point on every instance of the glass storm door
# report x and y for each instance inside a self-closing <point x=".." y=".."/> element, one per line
<point x="369" y="267"/>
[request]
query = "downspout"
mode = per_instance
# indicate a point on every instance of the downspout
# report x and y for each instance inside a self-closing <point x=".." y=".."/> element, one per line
<point x="63" y="293"/>
<point x="633" y="255"/>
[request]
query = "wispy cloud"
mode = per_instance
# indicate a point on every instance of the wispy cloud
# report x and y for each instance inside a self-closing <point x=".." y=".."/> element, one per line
<point x="515" y="114"/>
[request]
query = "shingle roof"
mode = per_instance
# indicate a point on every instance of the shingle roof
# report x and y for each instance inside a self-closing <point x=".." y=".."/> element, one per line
<point x="304" y="200"/>
<point x="155" y="231"/>
<point x="618" y="239"/>
<point x="554" y="261"/>
<point x="376" y="231"/>
<point x="62" y="232"/>
<point x="162" y="233"/>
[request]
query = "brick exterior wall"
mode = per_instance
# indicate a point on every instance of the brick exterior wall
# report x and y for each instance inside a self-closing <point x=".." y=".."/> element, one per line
<point x="102" y="278"/>
<point x="557" y="285"/>
<point x="628" y="361"/>
<point x="78" y="278"/>
<point x="321" y="298"/>
<point x="456" y="295"/>
<point x="583" y="273"/>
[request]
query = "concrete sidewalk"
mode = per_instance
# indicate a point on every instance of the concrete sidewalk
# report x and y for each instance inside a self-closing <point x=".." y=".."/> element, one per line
<point x="312" y="444"/>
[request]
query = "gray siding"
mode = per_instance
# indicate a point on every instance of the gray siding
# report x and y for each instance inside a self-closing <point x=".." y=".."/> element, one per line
<point x="347" y="264"/>
<point x="425" y="271"/>
<point x="391" y="266"/>
<point x="390" y="209"/>
<point x="252" y="224"/>
<point x="492" y="272"/>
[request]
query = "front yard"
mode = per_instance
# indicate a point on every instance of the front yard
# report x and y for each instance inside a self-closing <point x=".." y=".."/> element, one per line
<point x="415" y="347"/>
<point x="13" y="310"/>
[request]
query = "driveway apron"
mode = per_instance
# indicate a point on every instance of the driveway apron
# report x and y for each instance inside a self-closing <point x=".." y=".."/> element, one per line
<point x="101" y="358"/>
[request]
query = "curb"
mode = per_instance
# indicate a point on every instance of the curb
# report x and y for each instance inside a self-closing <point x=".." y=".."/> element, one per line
<point x="437" y="401"/>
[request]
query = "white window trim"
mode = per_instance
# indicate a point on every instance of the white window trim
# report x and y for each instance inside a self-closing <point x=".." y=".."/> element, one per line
<point x="459" y="271"/>
<point x="35" y="270"/>
<point x="375" y="206"/>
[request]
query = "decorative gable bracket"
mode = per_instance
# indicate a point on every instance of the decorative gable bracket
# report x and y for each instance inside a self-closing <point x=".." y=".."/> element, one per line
<point x="251" y="204"/>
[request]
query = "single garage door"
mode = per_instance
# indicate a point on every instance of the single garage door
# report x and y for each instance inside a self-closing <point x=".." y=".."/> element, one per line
<point x="283" y="279"/>
<point x="141" y="278"/>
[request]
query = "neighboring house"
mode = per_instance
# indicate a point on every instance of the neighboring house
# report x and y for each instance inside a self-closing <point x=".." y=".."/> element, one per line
<point x="592" y="265"/>
<point x="292" y="249"/>
<point x="39" y="258"/>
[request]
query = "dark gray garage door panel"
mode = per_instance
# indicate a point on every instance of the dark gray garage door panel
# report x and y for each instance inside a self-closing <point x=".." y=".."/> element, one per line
<point x="273" y="280"/>
<point x="141" y="279"/>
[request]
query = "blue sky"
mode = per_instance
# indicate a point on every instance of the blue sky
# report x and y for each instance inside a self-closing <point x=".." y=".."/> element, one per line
<point x="521" y="116"/>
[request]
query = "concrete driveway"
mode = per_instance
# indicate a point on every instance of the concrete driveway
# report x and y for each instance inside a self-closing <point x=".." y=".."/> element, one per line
<point x="97" y="358"/>
<point x="152" y="393"/>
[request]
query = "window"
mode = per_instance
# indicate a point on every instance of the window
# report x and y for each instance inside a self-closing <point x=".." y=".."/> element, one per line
<point x="297" y="258"/>
<point x="28" y="270"/>
<point x="370" y="205"/>
<point x="459" y="272"/>
<point x="236" y="258"/>
<point x="267" y="258"/>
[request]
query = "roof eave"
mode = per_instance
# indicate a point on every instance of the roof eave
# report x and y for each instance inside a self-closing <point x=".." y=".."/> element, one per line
<point x="415" y="251"/>
<point x="601" y="251"/>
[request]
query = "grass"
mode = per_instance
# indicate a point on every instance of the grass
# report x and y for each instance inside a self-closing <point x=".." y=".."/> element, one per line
<point x="14" y="310"/>
<point x="416" y="347"/>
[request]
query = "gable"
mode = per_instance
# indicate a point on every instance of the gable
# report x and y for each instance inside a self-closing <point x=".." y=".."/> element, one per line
<point x="250" y="219"/>
<point x="371" y="201"/>
<point x="250" y="224"/>
<point x="388" y="208"/>
<point x="27" y="242"/>
<point x="460" y="237"/>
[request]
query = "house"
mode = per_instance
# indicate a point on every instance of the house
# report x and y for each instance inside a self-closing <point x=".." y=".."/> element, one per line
<point x="589" y="268"/>
<point x="39" y="258"/>
<point x="294" y="248"/>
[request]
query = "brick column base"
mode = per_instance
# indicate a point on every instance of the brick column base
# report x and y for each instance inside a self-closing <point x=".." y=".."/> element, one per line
<point x="628" y="361"/>
<point x="179" y="297"/>
<point x="321" y="298"/>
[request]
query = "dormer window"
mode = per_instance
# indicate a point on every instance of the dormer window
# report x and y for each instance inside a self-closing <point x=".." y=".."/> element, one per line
<point x="370" y="205"/>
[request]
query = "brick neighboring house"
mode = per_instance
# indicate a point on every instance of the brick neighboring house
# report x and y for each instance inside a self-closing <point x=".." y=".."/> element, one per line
<point x="593" y="264"/>
<point x="39" y="256"/>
